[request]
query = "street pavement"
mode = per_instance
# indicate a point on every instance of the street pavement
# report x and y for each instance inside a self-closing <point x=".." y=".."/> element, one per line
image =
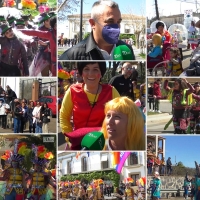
<point x="156" y="122"/>
<point x="52" y="127"/>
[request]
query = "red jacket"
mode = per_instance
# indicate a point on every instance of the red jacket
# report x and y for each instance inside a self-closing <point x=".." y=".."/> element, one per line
<point x="82" y="108"/>
<point x="156" y="89"/>
<point x="49" y="35"/>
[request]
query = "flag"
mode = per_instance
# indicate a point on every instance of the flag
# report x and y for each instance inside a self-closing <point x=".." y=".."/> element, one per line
<point x="116" y="158"/>
<point x="123" y="157"/>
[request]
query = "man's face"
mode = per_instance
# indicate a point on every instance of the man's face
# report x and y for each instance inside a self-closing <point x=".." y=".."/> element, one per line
<point x="108" y="17"/>
<point x="127" y="69"/>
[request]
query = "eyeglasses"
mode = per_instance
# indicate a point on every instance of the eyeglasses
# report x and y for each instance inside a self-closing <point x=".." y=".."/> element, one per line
<point x="129" y="69"/>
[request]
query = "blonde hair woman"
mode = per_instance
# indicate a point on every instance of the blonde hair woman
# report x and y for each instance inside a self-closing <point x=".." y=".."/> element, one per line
<point x="123" y="126"/>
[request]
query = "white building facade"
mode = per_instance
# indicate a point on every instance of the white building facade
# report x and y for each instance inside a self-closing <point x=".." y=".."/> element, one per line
<point x="130" y="24"/>
<point x="100" y="161"/>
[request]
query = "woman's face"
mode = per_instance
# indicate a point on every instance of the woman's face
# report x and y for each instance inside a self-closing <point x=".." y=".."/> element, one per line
<point x="176" y="85"/>
<point x="116" y="125"/>
<point x="160" y="29"/>
<point x="91" y="74"/>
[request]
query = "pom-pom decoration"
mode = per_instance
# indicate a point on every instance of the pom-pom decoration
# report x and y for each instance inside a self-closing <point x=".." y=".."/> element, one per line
<point x="9" y="3"/>
<point x="62" y="74"/>
<point x="28" y="4"/>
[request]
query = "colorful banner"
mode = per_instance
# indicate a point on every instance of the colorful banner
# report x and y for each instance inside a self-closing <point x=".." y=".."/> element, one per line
<point x="116" y="158"/>
<point x="123" y="157"/>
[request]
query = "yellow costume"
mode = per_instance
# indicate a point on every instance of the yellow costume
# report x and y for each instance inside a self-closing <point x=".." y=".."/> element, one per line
<point x="15" y="181"/>
<point x="38" y="183"/>
<point x="136" y="93"/>
<point x="176" y="69"/>
<point x="129" y="193"/>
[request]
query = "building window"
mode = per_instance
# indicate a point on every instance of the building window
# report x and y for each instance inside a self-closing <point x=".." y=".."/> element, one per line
<point x="104" y="161"/>
<point x="69" y="167"/>
<point x="84" y="164"/>
<point x="133" y="158"/>
<point x="127" y="30"/>
<point x="135" y="177"/>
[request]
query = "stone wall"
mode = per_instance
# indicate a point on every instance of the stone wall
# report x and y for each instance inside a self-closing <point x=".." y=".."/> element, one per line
<point x="169" y="183"/>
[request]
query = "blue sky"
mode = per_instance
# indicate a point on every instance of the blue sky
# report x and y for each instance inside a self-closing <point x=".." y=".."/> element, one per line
<point x="185" y="148"/>
<point x="138" y="7"/>
<point x="170" y="7"/>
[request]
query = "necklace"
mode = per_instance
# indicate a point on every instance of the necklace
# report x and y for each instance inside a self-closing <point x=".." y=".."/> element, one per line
<point x="92" y="106"/>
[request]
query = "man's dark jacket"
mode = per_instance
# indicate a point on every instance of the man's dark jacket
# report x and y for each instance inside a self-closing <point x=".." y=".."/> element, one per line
<point x="87" y="50"/>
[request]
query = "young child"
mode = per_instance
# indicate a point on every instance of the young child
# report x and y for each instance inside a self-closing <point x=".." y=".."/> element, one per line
<point x="174" y="67"/>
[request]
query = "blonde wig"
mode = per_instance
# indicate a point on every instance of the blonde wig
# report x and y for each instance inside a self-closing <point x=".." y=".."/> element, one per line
<point x="157" y="39"/>
<point x="135" y="139"/>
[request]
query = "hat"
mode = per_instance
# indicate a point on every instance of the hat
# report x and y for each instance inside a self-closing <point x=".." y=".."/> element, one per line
<point x="4" y="28"/>
<point x="102" y="66"/>
<point x="25" y="17"/>
<point x="11" y="20"/>
<point x="20" y="22"/>
<point x="52" y="14"/>
<point x="43" y="17"/>
<point x="2" y="18"/>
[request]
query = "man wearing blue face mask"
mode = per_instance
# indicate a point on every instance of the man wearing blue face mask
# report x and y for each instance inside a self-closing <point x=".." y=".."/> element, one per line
<point x="103" y="42"/>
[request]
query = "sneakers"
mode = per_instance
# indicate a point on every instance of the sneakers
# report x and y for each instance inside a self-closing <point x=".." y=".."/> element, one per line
<point x="153" y="110"/>
<point x="150" y="110"/>
<point x="159" y="111"/>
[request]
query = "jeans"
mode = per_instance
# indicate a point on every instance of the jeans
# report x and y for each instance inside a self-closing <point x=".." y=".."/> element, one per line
<point x="149" y="170"/>
<point x="38" y="129"/>
<point x="17" y="125"/>
<point x="163" y="170"/>
<point x="169" y="170"/>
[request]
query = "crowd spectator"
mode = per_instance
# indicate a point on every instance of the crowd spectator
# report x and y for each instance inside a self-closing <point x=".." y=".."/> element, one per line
<point x="45" y="118"/>
<point x="169" y="166"/>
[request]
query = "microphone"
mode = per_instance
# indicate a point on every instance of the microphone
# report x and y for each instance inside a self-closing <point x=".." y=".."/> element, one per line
<point x="93" y="141"/>
<point x="75" y="137"/>
<point x="122" y="52"/>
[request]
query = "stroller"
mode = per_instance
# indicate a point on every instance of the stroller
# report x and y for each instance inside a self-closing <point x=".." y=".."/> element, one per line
<point x="194" y="68"/>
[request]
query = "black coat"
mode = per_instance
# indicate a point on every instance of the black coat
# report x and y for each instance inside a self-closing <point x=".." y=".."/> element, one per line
<point x="87" y="50"/>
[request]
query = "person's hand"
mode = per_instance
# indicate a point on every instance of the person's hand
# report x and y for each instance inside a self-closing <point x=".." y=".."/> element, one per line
<point x="42" y="114"/>
<point x="154" y="96"/>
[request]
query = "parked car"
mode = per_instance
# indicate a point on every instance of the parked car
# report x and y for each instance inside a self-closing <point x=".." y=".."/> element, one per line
<point x="51" y="102"/>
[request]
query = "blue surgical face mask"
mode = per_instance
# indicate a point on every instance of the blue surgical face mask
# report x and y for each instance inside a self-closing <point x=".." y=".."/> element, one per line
<point x="110" y="33"/>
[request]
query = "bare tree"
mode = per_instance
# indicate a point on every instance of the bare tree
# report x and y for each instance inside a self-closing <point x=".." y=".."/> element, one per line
<point x="137" y="22"/>
<point x="66" y="7"/>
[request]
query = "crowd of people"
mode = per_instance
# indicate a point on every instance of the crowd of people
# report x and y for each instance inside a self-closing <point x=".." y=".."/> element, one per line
<point x="23" y="112"/>
<point x="20" y="183"/>
<point x="114" y="103"/>
<point x="185" y="99"/>
<point x="33" y="50"/>
<point x="98" y="190"/>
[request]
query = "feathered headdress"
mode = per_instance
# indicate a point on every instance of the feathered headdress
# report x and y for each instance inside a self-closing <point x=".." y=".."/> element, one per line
<point x="128" y="180"/>
<point x="19" y="151"/>
<point x="39" y="154"/>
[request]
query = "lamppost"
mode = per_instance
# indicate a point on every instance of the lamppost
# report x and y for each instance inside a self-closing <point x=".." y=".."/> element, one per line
<point x="81" y="21"/>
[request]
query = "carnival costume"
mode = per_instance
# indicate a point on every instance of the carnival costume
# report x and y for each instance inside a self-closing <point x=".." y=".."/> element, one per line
<point x="129" y="192"/>
<point x="15" y="175"/>
<point x="39" y="178"/>
<point x="43" y="56"/>
<point x="181" y="102"/>
<point x="195" y="113"/>
<point x="13" y="53"/>
<point x="156" y="187"/>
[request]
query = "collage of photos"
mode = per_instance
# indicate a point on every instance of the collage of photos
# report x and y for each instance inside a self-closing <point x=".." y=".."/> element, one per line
<point x="99" y="99"/>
